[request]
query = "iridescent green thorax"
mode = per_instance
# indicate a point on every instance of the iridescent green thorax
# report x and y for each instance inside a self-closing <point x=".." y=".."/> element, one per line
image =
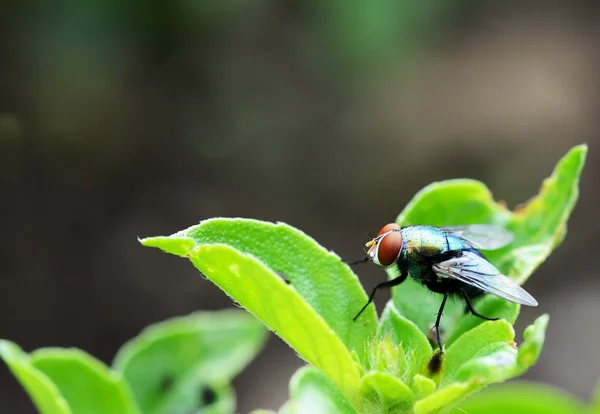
<point x="422" y="241"/>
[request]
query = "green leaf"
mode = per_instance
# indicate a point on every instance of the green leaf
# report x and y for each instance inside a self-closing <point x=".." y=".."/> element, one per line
<point x="534" y="337"/>
<point x="405" y="333"/>
<point x="423" y="386"/>
<point x="521" y="397"/>
<point x="383" y="393"/>
<point x="445" y="398"/>
<point x="87" y="385"/>
<point x="539" y="227"/>
<point x="471" y="344"/>
<point x="317" y="275"/>
<point x="185" y="362"/>
<point x="469" y="369"/>
<point x="258" y="289"/>
<point x="311" y="391"/>
<point x="41" y="389"/>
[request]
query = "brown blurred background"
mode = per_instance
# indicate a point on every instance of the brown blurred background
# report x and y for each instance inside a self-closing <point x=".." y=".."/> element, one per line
<point x="122" y="119"/>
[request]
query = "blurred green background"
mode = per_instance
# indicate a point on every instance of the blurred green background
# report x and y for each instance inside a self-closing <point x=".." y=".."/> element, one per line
<point x="121" y="119"/>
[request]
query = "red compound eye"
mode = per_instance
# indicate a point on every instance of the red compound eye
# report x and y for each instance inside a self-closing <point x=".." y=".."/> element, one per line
<point x="388" y="227"/>
<point x="389" y="247"/>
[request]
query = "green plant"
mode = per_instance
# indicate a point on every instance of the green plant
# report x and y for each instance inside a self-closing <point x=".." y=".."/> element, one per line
<point x="180" y="365"/>
<point x="307" y="296"/>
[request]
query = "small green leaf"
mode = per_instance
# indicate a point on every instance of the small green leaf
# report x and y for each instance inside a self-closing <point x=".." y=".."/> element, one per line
<point x="41" y="389"/>
<point x="259" y="290"/>
<point x="262" y="411"/>
<point x="422" y="386"/>
<point x="386" y="356"/>
<point x="87" y="385"/>
<point x="415" y="345"/>
<point x="184" y="363"/>
<point x="534" y="337"/>
<point x="311" y="391"/>
<point x="494" y="363"/>
<point x="521" y="397"/>
<point x="538" y="227"/>
<point x="317" y="275"/>
<point x="471" y="344"/>
<point x="383" y="393"/>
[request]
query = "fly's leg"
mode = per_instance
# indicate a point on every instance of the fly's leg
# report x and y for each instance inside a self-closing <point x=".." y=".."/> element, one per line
<point x="437" y="323"/>
<point x="472" y="310"/>
<point x="388" y="284"/>
<point x="363" y="260"/>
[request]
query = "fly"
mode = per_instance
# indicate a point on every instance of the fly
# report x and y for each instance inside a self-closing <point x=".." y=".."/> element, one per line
<point x="446" y="260"/>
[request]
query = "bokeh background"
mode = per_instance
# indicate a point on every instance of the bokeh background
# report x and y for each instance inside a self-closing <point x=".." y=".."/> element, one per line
<point x="121" y="119"/>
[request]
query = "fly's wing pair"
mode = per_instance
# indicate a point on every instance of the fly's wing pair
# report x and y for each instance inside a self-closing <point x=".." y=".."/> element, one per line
<point x="475" y="270"/>
<point x="482" y="236"/>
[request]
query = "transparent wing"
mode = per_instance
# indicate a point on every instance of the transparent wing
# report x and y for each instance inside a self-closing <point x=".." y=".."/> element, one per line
<point x="483" y="236"/>
<point x="474" y="270"/>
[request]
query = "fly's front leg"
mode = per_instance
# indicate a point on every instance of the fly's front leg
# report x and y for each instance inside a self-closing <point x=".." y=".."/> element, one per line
<point x="388" y="284"/>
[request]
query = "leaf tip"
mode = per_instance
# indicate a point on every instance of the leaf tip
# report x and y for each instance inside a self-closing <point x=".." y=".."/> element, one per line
<point x="177" y="244"/>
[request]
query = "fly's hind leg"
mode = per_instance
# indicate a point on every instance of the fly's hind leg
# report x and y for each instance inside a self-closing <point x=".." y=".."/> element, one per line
<point x="472" y="310"/>
<point x="437" y="323"/>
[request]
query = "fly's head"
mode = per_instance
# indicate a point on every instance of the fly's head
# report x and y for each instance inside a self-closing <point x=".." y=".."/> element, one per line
<point x="385" y="249"/>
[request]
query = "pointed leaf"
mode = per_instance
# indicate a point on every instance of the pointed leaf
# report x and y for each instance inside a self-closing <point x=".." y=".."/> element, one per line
<point x="317" y="275"/>
<point x="175" y="365"/>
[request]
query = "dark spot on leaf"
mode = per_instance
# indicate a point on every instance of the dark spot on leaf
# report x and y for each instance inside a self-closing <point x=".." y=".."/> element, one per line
<point x="285" y="279"/>
<point x="166" y="383"/>
<point x="434" y="366"/>
<point x="207" y="396"/>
